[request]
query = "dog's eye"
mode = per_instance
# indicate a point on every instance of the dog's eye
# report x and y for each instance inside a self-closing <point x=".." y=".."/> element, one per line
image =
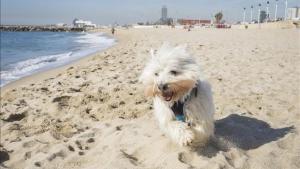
<point x="173" y="72"/>
<point x="156" y="74"/>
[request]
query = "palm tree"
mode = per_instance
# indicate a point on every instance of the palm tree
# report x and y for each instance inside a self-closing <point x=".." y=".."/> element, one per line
<point x="219" y="17"/>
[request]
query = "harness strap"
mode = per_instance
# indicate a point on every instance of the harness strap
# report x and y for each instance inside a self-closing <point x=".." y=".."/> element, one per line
<point x="177" y="107"/>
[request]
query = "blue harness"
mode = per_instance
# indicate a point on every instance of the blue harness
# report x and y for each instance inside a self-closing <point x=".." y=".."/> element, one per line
<point x="177" y="107"/>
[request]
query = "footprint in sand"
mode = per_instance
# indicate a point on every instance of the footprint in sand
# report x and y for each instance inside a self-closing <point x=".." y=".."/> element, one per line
<point x="133" y="160"/>
<point x="44" y="89"/>
<point x="38" y="164"/>
<point x="118" y="128"/>
<point x="80" y="146"/>
<point x="74" y="90"/>
<point x="60" y="154"/>
<point x="62" y="101"/>
<point x="116" y="89"/>
<point x="15" y="117"/>
<point x="184" y="157"/>
<point x="71" y="148"/>
<point x="18" y="139"/>
<point x="78" y="143"/>
<point x="93" y="117"/>
<point x="113" y="106"/>
<point x="4" y="156"/>
<point x="29" y="144"/>
<point x="90" y="140"/>
<point x="122" y="102"/>
<point x="138" y="102"/>
<point x="27" y="155"/>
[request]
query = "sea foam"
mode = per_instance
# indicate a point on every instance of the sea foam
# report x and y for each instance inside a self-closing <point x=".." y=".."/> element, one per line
<point x="89" y="44"/>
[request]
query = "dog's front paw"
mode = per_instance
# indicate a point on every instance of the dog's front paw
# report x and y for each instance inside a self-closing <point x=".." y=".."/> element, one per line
<point x="186" y="137"/>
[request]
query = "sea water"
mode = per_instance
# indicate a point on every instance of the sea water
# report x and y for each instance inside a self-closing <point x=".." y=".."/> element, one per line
<point x="25" y="53"/>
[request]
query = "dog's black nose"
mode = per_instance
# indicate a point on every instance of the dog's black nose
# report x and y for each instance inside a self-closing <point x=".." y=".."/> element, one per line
<point x="163" y="87"/>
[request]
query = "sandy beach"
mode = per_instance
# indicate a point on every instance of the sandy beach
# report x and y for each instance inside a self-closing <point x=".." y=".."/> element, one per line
<point x="93" y="113"/>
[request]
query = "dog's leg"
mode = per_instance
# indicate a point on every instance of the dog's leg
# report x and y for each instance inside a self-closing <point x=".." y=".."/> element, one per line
<point x="178" y="131"/>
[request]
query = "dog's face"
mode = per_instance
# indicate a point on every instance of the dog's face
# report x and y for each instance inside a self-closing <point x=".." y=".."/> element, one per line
<point x="170" y="74"/>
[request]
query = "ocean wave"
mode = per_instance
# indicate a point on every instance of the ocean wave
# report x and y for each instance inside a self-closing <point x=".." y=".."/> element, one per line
<point x="96" y="42"/>
<point x="30" y="66"/>
<point x="95" y="38"/>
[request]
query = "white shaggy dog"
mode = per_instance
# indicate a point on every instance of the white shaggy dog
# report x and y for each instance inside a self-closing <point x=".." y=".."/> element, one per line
<point x="183" y="103"/>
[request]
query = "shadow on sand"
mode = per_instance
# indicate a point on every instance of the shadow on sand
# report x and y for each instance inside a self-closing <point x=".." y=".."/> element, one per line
<point x="242" y="132"/>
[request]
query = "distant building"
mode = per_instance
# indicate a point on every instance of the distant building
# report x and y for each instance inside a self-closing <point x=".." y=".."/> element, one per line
<point x="79" y="23"/>
<point x="263" y="16"/>
<point x="164" y="13"/>
<point x="293" y="13"/>
<point x="61" y="25"/>
<point x="164" y="20"/>
<point x="193" y="22"/>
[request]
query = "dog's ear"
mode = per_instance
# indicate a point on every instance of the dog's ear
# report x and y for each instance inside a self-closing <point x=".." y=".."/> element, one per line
<point x="149" y="91"/>
<point x="145" y="72"/>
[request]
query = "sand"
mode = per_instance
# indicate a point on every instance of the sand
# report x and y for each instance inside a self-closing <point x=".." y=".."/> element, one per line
<point x="93" y="114"/>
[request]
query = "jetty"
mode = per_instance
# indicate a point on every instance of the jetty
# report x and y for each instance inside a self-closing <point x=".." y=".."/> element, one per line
<point x="41" y="28"/>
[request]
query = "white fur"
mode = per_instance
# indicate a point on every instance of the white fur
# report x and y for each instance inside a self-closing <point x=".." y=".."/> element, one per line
<point x="198" y="109"/>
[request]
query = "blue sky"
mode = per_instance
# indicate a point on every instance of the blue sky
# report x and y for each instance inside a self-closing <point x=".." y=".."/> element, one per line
<point x="126" y="11"/>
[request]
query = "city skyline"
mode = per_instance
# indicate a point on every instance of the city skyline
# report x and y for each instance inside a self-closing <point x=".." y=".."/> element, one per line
<point x="130" y="11"/>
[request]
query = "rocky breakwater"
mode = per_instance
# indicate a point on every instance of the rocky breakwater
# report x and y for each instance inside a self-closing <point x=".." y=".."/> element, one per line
<point x="31" y="28"/>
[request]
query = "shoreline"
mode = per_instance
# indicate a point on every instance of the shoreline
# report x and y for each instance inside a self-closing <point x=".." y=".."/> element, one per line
<point x="44" y="74"/>
<point x="38" y="76"/>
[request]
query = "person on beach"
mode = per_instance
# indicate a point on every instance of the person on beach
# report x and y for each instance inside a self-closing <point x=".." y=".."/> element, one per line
<point x="189" y="29"/>
<point x="113" y="30"/>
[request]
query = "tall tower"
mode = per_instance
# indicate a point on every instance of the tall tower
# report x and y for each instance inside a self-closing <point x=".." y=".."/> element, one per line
<point x="285" y="10"/>
<point x="276" y="6"/>
<point x="164" y="13"/>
